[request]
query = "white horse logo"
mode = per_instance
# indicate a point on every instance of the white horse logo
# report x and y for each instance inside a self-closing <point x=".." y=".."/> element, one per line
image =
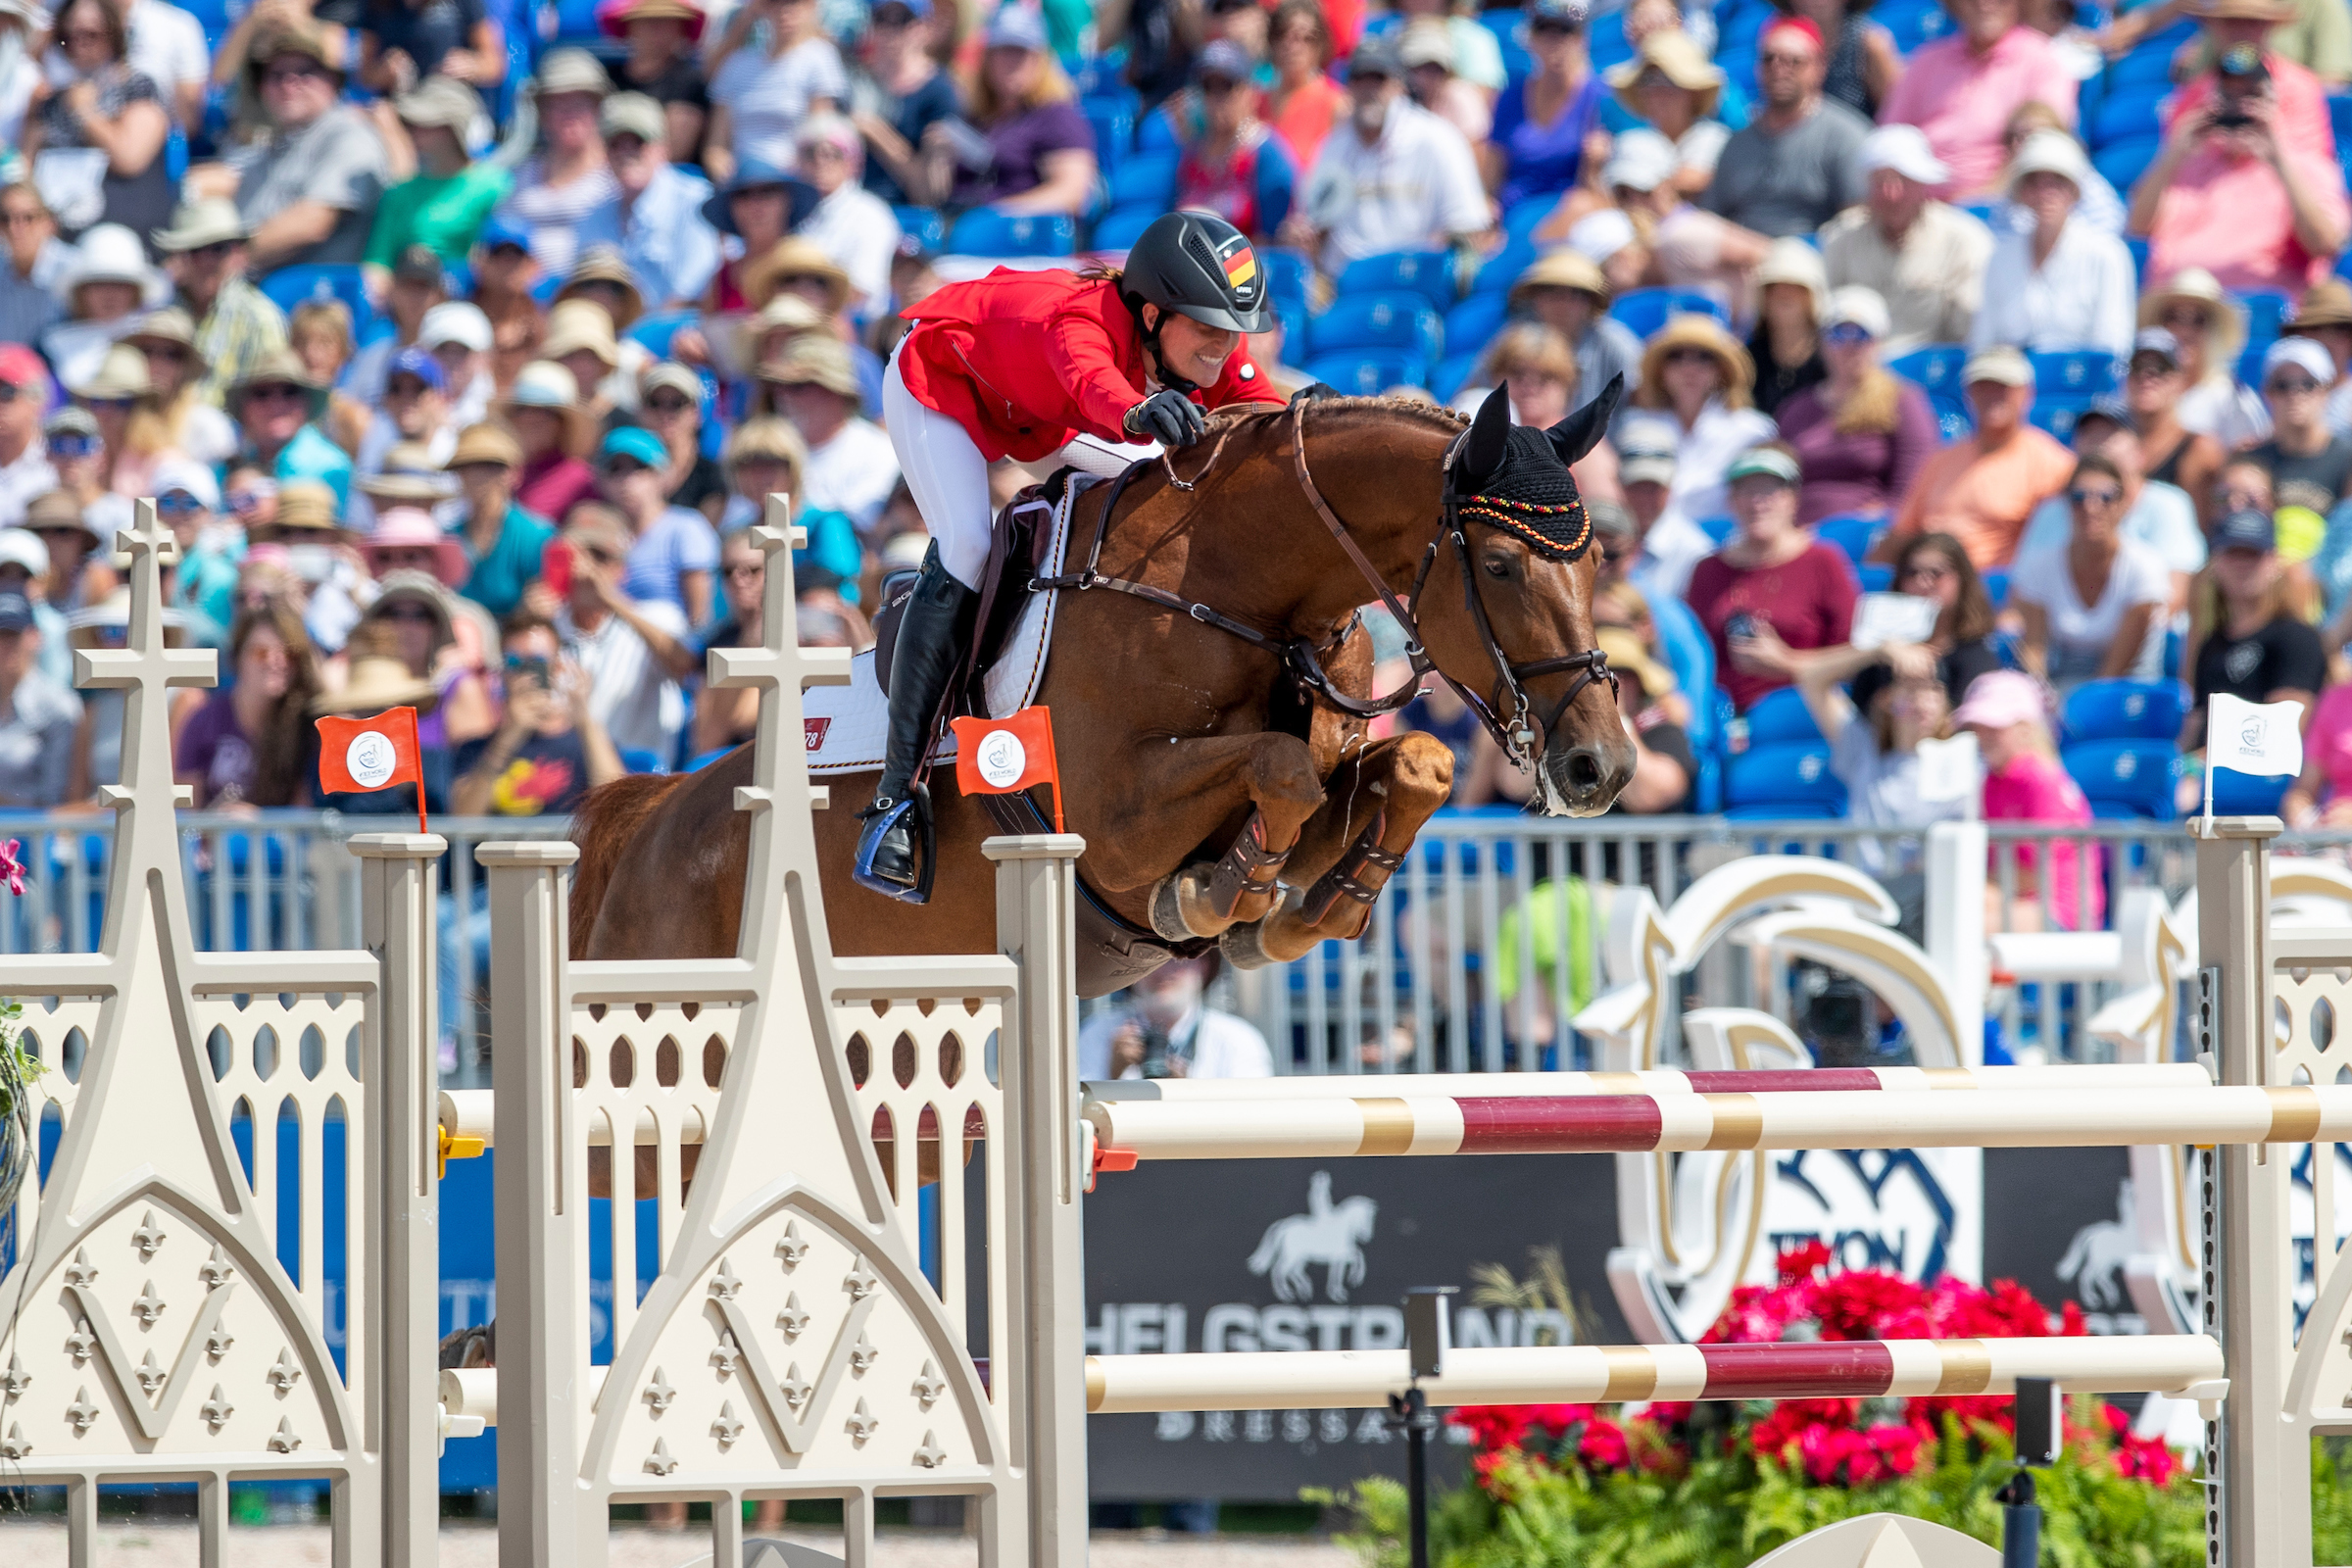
<point x="1330" y="1234"/>
<point x="2094" y="1263"/>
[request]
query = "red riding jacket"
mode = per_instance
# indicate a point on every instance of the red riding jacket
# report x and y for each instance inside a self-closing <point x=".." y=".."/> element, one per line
<point x="1024" y="361"/>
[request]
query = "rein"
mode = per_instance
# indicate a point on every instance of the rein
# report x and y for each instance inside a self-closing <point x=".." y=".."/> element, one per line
<point x="1508" y="713"/>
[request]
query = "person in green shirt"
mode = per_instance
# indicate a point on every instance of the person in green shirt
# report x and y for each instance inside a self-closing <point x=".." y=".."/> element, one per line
<point x="505" y="544"/>
<point x="442" y="205"/>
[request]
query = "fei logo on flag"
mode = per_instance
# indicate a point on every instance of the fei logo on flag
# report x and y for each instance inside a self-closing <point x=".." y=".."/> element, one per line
<point x="2264" y="737"/>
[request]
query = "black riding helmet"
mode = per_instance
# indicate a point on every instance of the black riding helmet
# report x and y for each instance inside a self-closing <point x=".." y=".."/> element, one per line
<point x="1198" y="265"/>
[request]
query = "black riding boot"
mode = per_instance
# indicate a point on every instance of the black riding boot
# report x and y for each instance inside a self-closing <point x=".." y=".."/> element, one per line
<point x="925" y="657"/>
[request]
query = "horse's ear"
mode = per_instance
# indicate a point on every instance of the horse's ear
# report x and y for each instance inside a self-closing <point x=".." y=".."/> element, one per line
<point x="1313" y="391"/>
<point x="1582" y="430"/>
<point x="1490" y="439"/>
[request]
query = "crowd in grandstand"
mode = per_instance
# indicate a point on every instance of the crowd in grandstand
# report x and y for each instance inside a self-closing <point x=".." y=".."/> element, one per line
<point x="1978" y="358"/>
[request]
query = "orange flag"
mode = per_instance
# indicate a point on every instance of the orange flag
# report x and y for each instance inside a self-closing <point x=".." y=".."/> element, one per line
<point x="372" y="754"/>
<point x="1004" y="756"/>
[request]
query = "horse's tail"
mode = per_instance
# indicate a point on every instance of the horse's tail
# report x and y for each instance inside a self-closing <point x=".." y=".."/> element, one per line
<point x="606" y="822"/>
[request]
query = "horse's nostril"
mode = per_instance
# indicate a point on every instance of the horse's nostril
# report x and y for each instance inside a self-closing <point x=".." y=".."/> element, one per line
<point x="1583" y="769"/>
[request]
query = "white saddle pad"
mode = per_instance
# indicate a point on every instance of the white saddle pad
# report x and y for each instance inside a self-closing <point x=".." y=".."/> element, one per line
<point x="847" y="726"/>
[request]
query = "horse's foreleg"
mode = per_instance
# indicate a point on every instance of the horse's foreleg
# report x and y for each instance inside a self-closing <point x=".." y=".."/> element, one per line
<point x="1376" y="802"/>
<point x="1179" y="793"/>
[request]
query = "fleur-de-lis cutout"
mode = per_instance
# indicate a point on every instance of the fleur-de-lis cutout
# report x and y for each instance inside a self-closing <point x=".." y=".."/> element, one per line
<point x="930" y="1456"/>
<point x="148" y="1307"/>
<point x="794" y="1318"/>
<point x="727" y="1428"/>
<point x="217" y="1410"/>
<point x="929" y="1385"/>
<point x="81" y="1344"/>
<point x="284" y="1375"/>
<point x="863" y="1354"/>
<point x="860" y="1281"/>
<point x="81" y="1412"/>
<point x="724" y="1284"/>
<point x="150" y="1375"/>
<point x="726" y="1355"/>
<point x="795" y="1389"/>
<point x="659" y="1394"/>
<point x="659" y="1461"/>
<point x="285" y="1440"/>
<point x="148" y="1237"/>
<point x="15" y="1446"/>
<point x="217" y="1343"/>
<point x="216" y="1270"/>
<point x="82" y="1271"/>
<point x="15" y="1379"/>
<point x="862" y="1423"/>
<point x="792" y="1249"/>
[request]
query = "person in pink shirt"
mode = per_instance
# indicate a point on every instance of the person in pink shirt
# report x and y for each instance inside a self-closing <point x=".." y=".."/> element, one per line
<point x="1961" y="90"/>
<point x="2240" y="188"/>
<point x="2226" y="24"/>
<point x="2323" y="795"/>
<point x="2024" y="783"/>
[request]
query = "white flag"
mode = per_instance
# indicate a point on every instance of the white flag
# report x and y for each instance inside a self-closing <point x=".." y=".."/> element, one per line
<point x="2245" y="737"/>
<point x="1947" y="769"/>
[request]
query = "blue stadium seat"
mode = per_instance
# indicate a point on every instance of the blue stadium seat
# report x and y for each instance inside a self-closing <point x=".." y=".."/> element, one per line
<point x="1782" y="719"/>
<point x="1113" y="119"/>
<point x="2072" y="375"/>
<point x="1402" y="321"/>
<point x="1527" y="215"/>
<point x="1935" y="367"/>
<point x="1454" y="372"/>
<point x="985" y="232"/>
<point x="1122" y="226"/>
<point x="1606" y="42"/>
<point x="2150" y="61"/>
<point x="2056" y="417"/>
<point x="1144" y="180"/>
<point x="1504" y="25"/>
<point x="1428" y="274"/>
<point x="1471" y="324"/>
<point x="1790" y="780"/>
<point x="290" y="286"/>
<point x="2339" y="116"/>
<point x="1852" y="532"/>
<point x="1154" y="135"/>
<point x="1368" y="372"/>
<point x="924" y="225"/>
<point x="1875" y="577"/>
<point x="1719" y="530"/>
<point x="637" y="760"/>
<point x="1286" y="272"/>
<point x="1953" y="421"/>
<point x="2265" y="313"/>
<point x="1643" y="311"/>
<point x="1997" y="586"/>
<point x="657" y="329"/>
<point x="1914" y="27"/>
<point x="2138" y="247"/>
<point x="576" y="22"/>
<point x="2125" y="778"/>
<point x="2127" y="112"/>
<point x="2238" y="793"/>
<point x="1502" y="268"/>
<point x="2124" y="709"/>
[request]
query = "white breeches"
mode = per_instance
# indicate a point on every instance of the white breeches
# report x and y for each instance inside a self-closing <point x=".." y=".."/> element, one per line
<point x="948" y="477"/>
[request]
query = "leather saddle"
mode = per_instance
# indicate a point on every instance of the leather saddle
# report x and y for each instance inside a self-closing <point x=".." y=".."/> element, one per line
<point x="1017" y="545"/>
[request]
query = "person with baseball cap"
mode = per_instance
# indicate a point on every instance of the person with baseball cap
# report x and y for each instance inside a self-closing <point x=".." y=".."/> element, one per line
<point x="1981" y="490"/>
<point x="1391" y="176"/>
<point x="570" y="177"/>
<point x="2245" y="184"/>
<point x="676" y="553"/>
<point x="1795" y="165"/>
<point x="2154" y="514"/>
<point x="1921" y="255"/>
<point x="2061" y="282"/>
<point x="2024" y="782"/>
<point x="1961" y="89"/>
<point x="505" y="544"/>
<point x="655" y="216"/>
<point x="38" y="715"/>
<point x="633" y="651"/>
<point x="2309" y="464"/>
<point x="2247" y="639"/>
<point x="1775" y="592"/>
<point x="25" y="470"/>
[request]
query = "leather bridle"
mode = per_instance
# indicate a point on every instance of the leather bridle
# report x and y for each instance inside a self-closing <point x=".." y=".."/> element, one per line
<point x="1508" y="712"/>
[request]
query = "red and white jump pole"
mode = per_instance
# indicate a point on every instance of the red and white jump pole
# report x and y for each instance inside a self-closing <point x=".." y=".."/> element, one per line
<point x="2188" y="1365"/>
<point x="1271" y="1128"/>
<point x="1538" y="1085"/>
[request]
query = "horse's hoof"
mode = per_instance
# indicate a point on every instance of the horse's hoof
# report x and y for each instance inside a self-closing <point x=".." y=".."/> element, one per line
<point x="1181" y="910"/>
<point x="1242" y="947"/>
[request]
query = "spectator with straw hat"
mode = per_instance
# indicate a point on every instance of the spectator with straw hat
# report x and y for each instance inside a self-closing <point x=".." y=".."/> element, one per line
<point x="197" y="427"/>
<point x="852" y="467"/>
<point x="504" y="545"/>
<point x="442" y="204"/>
<point x="1568" y="293"/>
<point x="308" y="193"/>
<point x="2325" y="314"/>
<point x="662" y="68"/>
<point x="552" y="429"/>
<point x="276" y="407"/>
<point x="236" y="324"/>
<point x="572" y="178"/>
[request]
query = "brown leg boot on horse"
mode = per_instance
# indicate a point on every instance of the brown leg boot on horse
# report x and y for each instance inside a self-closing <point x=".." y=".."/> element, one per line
<point x="1220" y="695"/>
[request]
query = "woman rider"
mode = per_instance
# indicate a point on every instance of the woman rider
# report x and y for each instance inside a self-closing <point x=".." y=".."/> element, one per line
<point x="1021" y="365"/>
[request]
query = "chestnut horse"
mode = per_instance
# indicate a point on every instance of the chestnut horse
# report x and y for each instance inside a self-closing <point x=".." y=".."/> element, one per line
<point x="1224" y="798"/>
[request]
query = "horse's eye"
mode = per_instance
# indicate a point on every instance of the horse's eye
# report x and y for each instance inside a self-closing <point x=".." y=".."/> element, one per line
<point x="1498" y="566"/>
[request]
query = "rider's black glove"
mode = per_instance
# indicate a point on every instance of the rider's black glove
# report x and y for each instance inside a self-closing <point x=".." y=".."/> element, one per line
<point x="1169" y="418"/>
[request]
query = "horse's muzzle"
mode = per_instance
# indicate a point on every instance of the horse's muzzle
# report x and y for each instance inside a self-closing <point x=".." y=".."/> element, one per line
<point x="1585" y="779"/>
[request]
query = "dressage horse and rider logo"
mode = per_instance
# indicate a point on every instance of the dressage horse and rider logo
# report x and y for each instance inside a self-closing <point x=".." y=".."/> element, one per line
<point x="1331" y="1234"/>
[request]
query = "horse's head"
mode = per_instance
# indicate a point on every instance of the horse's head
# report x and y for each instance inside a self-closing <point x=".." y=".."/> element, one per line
<point x="1524" y="624"/>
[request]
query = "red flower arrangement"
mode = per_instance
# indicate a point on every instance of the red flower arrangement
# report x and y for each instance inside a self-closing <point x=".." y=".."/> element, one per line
<point x="1851" y="1442"/>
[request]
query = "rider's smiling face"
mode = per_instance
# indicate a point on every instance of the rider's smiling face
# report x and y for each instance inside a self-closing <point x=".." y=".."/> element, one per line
<point x="1190" y="350"/>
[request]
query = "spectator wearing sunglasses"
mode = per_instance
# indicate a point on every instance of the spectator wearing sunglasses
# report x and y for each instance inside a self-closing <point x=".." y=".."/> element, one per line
<point x="25" y="470"/>
<point x="76" y="454"/>
<point x="187" y="500"/>
<point x="23" y="567"/>
<point x="121" y="400"/>
<point x="236" y="324"/>
<point x="633" y="653"/>
<point x="308" y="191"/>
<point x="166" y="338"/>
<point x="673" y="550"/>
<point x="2096" y="606"/>
<point x="654" y="218"/>
<point x="2309" y="464"/>
<point x="276" y="408"/>
<point x="671" y="404"/>
<point x="96" y="133"/>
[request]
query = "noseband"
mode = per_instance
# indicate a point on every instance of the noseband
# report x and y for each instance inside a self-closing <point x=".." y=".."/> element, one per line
<point x="1509" y="712"/>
